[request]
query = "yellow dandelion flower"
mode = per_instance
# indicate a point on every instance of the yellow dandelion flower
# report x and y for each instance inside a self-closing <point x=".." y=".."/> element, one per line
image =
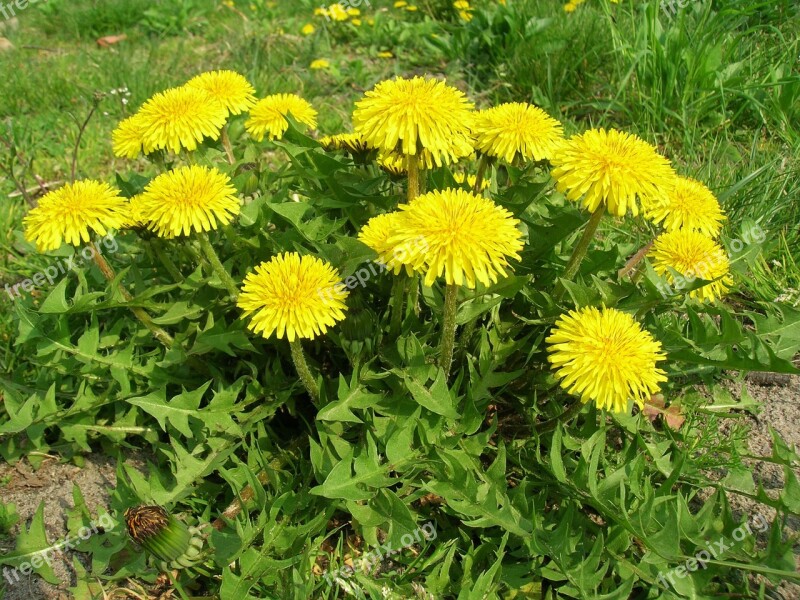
<point x="470" y="180"/>
<point x="693" y="256"/>
<point x="356" y="22"/>
<point x="461" y="4"/>
<point x="376" y="234"/>
<point x="605" y="357"/>
<point x="229" y="88"/>
<point x="465" y="15"/>
<point x="454" y="233"/>
<point x="570" y="7"/>
<point x="385" y="54"/>
<point x="293" y="296"/>
<point x="337" y="12"/>
<point x="319" y="63"/>
<point x="411" y="8"/>
<point x="308" y="29"/>
<point x="425" y="158"/>
<point x="409" y="115"/>
<point x="180" y="118"/>
<point x="394" y="164"/>
<point x="517" y="128"/>
<point x="612" y="168"/>
<point x="400" y="4"/>
<point x="70" y="213"/>
<point x="353" y="12"/>
<point x="187" y="199"/>
<point x="690" y="205"/>
<point x="268" y="116"/>
<point x="128" y="138"/>
<point x="352" y="142"/>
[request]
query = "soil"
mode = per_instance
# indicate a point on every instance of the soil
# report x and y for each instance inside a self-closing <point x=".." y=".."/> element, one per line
<point x="52" y="483"/>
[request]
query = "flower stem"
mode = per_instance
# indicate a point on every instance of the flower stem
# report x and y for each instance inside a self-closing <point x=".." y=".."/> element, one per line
<point x="396" y="306"/>
<point x="108" y="272"/>
<point x="303" y="371"/>
<point x="226" y="144"/>
<point x="413" y="177"/>
<point x="217" y="266"/>
<point x="483" y="164"/>
<point x="580" y="250"/>
<point x="169" y="265"/>
<point x="448" y="328"/>
<point x="630" y="266"/>
<point x="551" y="424"/>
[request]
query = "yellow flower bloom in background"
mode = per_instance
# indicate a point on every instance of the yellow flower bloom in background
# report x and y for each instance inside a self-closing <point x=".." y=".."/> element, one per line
<point x="268" y="116"/>
<point x="694" y="256"/>
<point x="408" y="115"/>
<point x="128" y="138"/>
<point x="187" y="199"/>
<point x="180" y="118"/>
<point x="69" y="214"/>
<point x="570" y="7"/>
<point x="393" y="164"/>
<point x="353" y="12"/>
<point x="411" y="8"/>
<point x="293" y="296"/>
<point x="604" y="356"/>
<point x="454" y="233"/>
<point x="352" y="142"/>
<point x="337" y="12"/>
<point x="308" y="29"/>
<point x="690" y="205"/>
<point x="461" y="179"/>
<point x="376" y="234"/>
<point x="508" y="129"/>
<point x="356" y="22"/>
<point x="385" y="54"/>
<point x="461" y="4"/>
<point x="612" y="168"/>
<point x="400" y="4"/>
<point x="319" y="63"/>
<point x="227" y="87"/>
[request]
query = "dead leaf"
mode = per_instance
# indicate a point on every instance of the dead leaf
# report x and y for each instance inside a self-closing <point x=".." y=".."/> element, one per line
<point x="110" y="40"/>
<point x="672" y="415"/>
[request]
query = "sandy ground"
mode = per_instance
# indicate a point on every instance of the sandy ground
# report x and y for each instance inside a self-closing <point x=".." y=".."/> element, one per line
<point x="780" y="397"/>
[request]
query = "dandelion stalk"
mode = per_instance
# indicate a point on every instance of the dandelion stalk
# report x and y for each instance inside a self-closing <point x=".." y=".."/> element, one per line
<point x="217" y="266"/>
<point x="108" y="272"/>
<point x="226" y="144"/>
<point x="169" y="265"/>
<point x="299" y="359"/>
<point x="448" y="328"/>
<point x="413" y="177"/>
<point x="396" y="305"/>
<point x="483" y="164"/>
<point x="580" y="250"/>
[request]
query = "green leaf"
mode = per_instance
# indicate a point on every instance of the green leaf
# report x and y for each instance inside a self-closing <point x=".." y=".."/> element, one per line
<point x="437" y="399"/>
